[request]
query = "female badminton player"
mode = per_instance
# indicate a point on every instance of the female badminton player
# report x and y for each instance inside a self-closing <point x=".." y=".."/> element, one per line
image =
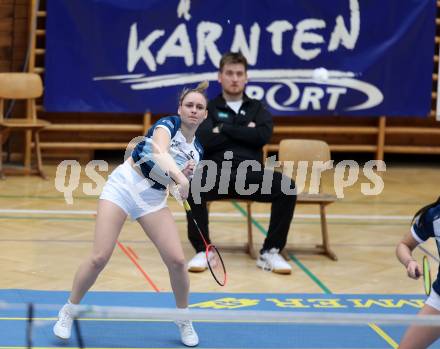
<point x="138" y="188"/>
<point x="426" y="224"/>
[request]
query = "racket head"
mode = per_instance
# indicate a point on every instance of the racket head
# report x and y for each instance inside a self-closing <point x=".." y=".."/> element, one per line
<point x="426" y="276"/>
<point x="216" y="265"/>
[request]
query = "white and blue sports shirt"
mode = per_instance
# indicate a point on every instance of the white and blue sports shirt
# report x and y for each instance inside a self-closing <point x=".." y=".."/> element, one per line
<point x="180" y="150"/>
<point x="425" y="228"/>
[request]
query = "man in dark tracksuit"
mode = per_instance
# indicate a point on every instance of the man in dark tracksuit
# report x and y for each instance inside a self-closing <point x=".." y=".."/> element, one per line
<point x="236" y="129"/>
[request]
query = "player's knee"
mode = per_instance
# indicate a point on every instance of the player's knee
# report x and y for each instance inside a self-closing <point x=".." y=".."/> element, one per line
<point x="177" y="264"/>
<point x="98" y="262"/>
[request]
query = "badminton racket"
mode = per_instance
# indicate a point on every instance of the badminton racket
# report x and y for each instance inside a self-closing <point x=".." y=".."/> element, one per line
<point x="213" y="256"/>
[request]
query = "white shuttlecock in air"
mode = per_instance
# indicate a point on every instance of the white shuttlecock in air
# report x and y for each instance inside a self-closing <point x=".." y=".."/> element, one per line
<point x="320" y="74"/>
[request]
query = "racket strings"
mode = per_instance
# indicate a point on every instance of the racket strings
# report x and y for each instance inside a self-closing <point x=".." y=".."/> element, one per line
<point x="426" y="275"/>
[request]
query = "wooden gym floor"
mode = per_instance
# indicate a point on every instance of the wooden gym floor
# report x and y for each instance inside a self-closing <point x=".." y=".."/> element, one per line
<point x="43" y="239"/>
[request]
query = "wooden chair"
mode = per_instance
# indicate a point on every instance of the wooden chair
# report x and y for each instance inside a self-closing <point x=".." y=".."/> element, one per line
<point x="307" y="151"/>
<point x="28" y="87"/>
<point x="295" y="150"/>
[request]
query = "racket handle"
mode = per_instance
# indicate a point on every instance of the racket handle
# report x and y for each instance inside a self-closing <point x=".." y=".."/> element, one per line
<point x="186" y="206"/>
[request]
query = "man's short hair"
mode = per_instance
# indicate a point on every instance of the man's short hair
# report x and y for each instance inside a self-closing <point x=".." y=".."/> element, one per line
<point x="233" y="58"/>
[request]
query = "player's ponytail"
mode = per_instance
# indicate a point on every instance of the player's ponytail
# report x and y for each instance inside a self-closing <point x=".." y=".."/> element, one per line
<point x="421" y="212"/>
<point x="200" y="88"/>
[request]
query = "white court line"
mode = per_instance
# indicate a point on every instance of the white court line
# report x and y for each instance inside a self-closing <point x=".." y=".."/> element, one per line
<point x="216" y="214"/>
<point x="54" y="212"/>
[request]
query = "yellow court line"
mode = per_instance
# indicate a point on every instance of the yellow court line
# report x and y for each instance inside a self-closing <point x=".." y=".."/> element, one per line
<point x="384" y="335"/>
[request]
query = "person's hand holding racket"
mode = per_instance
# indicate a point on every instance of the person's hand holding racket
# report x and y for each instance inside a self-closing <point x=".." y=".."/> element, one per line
<point x="413" y="269"/>
<point x="213" y="257"/>
<point x="181" y="191"/>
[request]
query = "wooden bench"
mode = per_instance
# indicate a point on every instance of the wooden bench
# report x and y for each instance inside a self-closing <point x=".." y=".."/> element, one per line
<point x="377" y="131"/>
<point x="136" y="129"/>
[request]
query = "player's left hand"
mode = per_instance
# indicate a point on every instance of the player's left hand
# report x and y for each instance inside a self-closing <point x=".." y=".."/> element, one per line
<point x="188" y="170"/>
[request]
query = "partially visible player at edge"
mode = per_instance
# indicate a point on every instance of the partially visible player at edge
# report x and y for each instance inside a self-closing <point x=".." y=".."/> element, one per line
<point x="168" y="153"/>
<point x="426" y="224"/>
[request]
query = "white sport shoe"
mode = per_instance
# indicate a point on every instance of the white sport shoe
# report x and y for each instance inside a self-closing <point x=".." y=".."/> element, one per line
<point x="271" y="260"/>
<point x="188" y="334"/>
<point x="63" y="327"/>
<point x="198" y="263"/>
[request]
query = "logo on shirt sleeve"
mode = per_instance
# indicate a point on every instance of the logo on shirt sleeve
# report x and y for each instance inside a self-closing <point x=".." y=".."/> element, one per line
<point x="169" y="124"/>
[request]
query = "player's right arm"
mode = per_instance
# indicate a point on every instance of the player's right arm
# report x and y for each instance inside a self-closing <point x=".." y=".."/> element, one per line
<point x="404" y="255"/>
<point x="160" y="149"/>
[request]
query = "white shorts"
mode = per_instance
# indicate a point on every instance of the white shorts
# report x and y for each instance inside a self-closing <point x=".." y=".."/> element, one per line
<point x="433" y="300"/>
<point x="132" y="192"/>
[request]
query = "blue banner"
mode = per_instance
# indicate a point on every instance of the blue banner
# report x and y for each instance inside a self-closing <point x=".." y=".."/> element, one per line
<point x="306" y="57"/>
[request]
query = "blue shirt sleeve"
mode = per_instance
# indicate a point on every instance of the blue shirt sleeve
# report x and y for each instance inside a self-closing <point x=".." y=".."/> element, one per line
<point x="171" y="123"/>
<point x="143" y="154"/>
<point x="422" y="229"/>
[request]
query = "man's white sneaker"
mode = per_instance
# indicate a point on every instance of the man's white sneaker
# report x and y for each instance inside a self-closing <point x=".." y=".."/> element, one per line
<point x="271" y="260"/>
<point x="63" y="327"/>
<point x="188" y="334"/>
<point x="198" y="263"/>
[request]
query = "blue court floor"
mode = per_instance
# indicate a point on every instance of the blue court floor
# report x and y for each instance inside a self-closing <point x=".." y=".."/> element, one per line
<point x="113" y="333"/>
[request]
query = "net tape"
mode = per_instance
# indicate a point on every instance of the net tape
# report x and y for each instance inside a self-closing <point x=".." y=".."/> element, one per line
<point x="260" y="316"/>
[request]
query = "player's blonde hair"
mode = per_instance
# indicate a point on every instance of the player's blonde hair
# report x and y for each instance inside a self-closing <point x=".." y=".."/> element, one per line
<point x="200" y="88"/>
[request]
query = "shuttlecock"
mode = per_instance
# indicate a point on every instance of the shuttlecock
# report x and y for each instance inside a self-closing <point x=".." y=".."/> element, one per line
<point x="320" y="74"/>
